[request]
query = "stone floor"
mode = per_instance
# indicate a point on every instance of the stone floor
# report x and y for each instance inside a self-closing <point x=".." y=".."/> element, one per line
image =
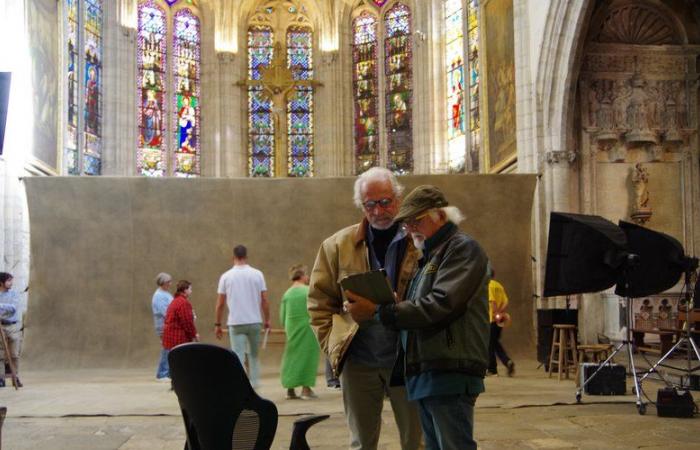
<point x="128" y="410"/>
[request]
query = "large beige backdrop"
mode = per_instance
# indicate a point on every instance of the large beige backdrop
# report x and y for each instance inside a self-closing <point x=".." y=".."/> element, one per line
<point x="98" y="243"/>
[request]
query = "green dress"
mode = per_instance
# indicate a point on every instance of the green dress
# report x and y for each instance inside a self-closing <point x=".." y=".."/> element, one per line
<point x="301" y="352"/>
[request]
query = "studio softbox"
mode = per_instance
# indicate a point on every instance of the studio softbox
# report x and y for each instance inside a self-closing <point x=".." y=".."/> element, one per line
<point x="584" y="254"/>
<point x="661" y="262"/>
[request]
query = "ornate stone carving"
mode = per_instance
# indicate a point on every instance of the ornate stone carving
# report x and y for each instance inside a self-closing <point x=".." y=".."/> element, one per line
<point x="560" y="156"/>
<point x="636" y="24"/>
<point x="638" y="113"/>
<point x="641" y="211"/>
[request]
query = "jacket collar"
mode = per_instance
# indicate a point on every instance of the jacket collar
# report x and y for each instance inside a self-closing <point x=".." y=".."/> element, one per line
<point x="360" y="233"/>
<point x="440" y="236"/>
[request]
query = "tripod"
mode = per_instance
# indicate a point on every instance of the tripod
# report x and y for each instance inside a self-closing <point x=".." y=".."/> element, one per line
<point x="687" y="336"/>
<point x="628" y="345"/>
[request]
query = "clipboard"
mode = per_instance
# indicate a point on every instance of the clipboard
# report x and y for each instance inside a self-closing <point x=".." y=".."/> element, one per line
<point x="373" y="285"/>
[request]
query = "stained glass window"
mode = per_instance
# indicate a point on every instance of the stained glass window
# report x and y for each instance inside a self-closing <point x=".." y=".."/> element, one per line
<point x="397" y="67"/>
<point x="474" y="71"/>
<point x="261" y="125"/>
<point x="300" y="106"/>
<point x="168" y="142"/>
<point x="186" y="57"/>
<point x="152" y="64"/>
<point x="83" y="151"/>
<point x="70" y="153"/>
<point x="364" y="58"/>
<point x="92" y="155"/>
<point x="454" y="49"/>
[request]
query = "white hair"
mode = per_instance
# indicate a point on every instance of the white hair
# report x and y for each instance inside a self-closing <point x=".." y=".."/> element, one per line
<point x="452" y="214"/>
<point x="163" y="278"/>
<point x="375" y="174"/>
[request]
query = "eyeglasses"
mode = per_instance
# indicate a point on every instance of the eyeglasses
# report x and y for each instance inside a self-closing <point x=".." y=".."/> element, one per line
<point x="412" y="222"/>
<point x="383" y="202"/>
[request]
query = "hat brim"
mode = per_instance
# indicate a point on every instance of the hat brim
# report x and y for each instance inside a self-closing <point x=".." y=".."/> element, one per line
<point x="403" y="215"/>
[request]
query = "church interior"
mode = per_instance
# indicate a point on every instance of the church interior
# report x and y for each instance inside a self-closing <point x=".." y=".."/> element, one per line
<point x="148" y="136"/>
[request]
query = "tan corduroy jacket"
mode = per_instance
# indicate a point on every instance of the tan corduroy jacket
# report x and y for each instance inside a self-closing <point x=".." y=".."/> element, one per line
<point x="345" y="253"/>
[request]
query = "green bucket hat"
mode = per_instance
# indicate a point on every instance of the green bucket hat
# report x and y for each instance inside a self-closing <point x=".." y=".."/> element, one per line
<point x="420" y="199"/>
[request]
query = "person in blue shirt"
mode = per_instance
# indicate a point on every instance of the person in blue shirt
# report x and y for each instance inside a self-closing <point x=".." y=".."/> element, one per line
<point x="161" y="300"/>
<point x="11" y="310"/>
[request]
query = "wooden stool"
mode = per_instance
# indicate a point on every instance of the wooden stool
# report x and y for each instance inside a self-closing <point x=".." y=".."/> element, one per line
<point x="563" y="350"/>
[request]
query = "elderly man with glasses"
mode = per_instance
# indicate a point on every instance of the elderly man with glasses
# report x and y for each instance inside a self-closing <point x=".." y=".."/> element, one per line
<point x="364" y="354"/>
<point x="444" y="321"/>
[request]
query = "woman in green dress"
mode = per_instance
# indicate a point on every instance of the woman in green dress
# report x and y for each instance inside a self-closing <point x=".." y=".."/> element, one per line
<point x="301" y="352"/>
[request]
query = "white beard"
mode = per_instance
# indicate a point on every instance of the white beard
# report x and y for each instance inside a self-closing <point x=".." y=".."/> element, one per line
<point x="418" y="240"/>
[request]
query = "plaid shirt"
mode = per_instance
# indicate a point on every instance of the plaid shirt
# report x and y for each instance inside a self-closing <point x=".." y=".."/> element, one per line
<point x="179" y="323"/>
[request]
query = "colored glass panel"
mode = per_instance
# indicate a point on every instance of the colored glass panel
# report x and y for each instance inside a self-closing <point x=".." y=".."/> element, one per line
<point x="300" y="124"/>
<point x="398" y="100"/>
<point x="186" y="66"/>
<point x="474" y="76"/>
<point x="261" y="125"/>
<point x="151" y="61"/>
<point x="364" y="56"/>
<point x="71" y="136"/>
<point x="379" y="3"/>
<point x="456" y="120"/>
<point x="92" y="110"/>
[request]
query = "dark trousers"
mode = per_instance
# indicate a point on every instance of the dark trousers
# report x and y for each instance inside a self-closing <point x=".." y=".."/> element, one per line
<point x="496" y="349"/>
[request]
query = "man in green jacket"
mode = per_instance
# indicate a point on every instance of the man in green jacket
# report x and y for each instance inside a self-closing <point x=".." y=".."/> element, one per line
<point x="444" y="321"/>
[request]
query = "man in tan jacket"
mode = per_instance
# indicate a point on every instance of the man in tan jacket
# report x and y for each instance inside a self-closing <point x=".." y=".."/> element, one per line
<point x="364" y="355"/>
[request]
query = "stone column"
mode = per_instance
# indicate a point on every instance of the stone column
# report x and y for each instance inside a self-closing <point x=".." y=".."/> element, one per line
<point x="119" y="102"/>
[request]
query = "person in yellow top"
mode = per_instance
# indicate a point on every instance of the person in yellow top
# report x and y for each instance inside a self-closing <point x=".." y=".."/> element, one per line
<point x="498" y="302"/>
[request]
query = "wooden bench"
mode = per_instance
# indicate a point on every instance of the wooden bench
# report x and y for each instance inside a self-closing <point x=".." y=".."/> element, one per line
<point x="665" y="338"/>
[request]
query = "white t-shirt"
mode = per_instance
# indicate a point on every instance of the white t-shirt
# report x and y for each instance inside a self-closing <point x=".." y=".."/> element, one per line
<point x="242" y="286"/>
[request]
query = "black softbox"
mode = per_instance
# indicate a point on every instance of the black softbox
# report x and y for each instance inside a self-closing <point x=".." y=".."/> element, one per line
<point x="661" y="262"/>
<point x="584" y="254"/>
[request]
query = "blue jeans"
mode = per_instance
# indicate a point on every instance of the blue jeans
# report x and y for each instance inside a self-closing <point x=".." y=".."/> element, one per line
<point x="245" y="339"/>
<point x="448" y="421"/>
<point x="163" y="367"/>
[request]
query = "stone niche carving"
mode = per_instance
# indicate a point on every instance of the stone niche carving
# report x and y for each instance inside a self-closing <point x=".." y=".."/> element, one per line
<point x="637" y="81"/>
<point x="633" y="109"/>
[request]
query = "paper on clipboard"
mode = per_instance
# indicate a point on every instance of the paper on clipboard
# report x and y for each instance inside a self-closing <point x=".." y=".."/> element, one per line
<point x="265" y="336"/>
<point x="373" y="285"/>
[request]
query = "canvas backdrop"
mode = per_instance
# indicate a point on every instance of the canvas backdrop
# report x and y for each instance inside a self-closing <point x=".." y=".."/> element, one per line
<point x="98" y="243"/>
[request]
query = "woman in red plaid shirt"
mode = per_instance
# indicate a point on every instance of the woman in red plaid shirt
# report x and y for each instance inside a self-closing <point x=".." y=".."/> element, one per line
<point x="179" y="319"/>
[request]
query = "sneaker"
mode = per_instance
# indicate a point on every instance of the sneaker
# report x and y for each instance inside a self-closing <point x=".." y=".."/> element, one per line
<point x="291" y="395"/>
<point x="511" y="368"/>
<point x="490" y="373"/>
<point x="2" y="382"/>
<point x="163" y="379"/>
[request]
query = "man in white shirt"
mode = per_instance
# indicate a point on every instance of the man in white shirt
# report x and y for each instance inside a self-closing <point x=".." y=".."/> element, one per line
<point x="243" y="290"/>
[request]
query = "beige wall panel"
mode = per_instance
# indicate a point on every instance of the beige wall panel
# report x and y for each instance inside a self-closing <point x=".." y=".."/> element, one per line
<point x="98" y="243"/>
<point x="615" y="195"/>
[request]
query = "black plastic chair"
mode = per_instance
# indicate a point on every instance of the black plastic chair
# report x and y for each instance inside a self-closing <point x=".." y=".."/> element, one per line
<point x="220" y="409"/>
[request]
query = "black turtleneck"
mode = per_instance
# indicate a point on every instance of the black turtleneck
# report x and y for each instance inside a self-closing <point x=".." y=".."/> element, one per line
<point x="381" y="240"/>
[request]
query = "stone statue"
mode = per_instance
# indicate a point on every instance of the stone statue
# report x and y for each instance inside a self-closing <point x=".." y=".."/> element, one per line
<point x="640" y="179"/>
<point x="620" y="103"/>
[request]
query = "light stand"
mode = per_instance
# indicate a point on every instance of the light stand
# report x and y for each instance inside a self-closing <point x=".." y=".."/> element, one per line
<point x="627" y="343"/>
<point x="591" y="254"/>
<point x="687" y="336"/>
